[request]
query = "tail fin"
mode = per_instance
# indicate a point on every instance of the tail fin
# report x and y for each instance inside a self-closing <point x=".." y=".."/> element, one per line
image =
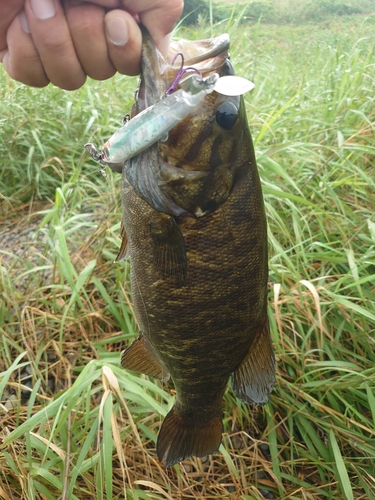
<point x="180" y="438"/>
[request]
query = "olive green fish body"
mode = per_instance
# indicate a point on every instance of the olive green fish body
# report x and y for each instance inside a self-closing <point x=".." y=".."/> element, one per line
<point x="197" y="240"/>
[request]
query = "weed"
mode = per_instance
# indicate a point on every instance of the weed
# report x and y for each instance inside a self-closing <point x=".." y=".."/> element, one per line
<point x="74" y="425"/>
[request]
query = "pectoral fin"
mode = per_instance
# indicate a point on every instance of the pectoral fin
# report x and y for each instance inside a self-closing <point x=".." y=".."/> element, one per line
<point x="137" y="357"/>
<point x="254" y="379"/>
<point x="168" y="247"/>
<point x="123" y="252"/>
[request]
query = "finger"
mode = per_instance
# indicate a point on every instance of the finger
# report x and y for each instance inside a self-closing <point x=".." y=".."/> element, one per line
<point x="158" y="16"/>
<point x="52" y="39"/>
<point x="86" y="25"/>
<point x="22" y="61"/>
<point x="124" y="41"/>
<point x="108" y="4"/>
<point x="8" y="12"/>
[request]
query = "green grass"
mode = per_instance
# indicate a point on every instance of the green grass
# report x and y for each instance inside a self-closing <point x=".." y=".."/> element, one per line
<point x="75" y="425"/>
<point x="273" y="11"/>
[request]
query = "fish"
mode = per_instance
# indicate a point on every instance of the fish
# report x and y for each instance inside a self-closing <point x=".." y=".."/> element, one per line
<point x="195" y="229"/>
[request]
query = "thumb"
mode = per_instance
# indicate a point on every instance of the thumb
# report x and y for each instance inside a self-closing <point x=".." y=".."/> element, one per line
<point x="124" y="41"/>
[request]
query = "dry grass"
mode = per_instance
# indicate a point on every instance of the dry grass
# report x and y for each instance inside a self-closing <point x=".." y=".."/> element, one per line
<point x="73" y="425"/>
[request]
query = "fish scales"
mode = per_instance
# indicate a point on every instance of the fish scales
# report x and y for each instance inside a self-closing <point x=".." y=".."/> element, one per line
<point x="199" y="271"/>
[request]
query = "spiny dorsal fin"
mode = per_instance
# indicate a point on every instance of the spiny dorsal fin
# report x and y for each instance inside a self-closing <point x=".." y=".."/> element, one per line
<point x="254" y="379"/>
<point x="123" y="252"/>
<point x="137" y="357"/>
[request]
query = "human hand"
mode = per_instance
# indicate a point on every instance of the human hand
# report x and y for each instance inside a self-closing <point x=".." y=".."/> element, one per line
<point x="64" y="41"/>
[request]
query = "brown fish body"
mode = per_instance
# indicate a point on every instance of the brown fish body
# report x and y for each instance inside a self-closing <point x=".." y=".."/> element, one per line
<point x="199" y="278"/>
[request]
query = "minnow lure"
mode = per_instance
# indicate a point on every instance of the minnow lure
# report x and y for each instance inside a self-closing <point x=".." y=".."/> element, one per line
<point x="152" y="124"/>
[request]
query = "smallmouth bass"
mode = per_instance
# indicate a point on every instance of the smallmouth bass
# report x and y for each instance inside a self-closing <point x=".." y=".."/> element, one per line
<point x="195" y="230"/>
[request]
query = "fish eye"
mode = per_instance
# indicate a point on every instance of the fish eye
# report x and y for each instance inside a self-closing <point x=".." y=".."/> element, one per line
<point x="226" y="115"/>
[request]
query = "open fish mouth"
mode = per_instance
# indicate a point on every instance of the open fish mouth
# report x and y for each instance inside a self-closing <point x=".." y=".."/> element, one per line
<point x="158" y="73"/>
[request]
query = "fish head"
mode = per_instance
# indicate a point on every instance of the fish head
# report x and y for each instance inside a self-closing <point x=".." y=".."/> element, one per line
<point x="194" y="167"/>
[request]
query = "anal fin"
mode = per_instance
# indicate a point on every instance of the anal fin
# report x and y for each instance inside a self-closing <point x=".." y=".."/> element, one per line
<point x="254" y="379"/>
<point x="137" y="357"/>
<point x="182" y="437"/>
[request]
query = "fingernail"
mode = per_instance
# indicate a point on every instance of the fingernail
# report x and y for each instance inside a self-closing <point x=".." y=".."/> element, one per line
<point x="24" y="23"/>
<point x="43" y="9"/>
<point x="117" y="31"/>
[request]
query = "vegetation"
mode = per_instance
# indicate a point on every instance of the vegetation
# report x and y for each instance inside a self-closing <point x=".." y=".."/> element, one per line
<point x="273" y="11"/>
<point x="73" y="425"/>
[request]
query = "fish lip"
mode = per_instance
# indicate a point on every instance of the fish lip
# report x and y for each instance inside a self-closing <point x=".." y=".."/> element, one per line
<point x="152" y="85"/>
<point x="158" y="73"/>
<point x="205" y="49"/>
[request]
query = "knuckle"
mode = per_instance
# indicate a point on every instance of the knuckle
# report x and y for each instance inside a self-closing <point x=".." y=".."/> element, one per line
<point x="72" y="83"/>
<point x="30" y="74"/>
<point x="101" y="73"/>
<point x="57" y="46"/>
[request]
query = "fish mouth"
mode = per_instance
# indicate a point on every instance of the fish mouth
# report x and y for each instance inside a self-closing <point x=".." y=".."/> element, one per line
<point x="206" y="56"/>
<point x="201" y="53"/>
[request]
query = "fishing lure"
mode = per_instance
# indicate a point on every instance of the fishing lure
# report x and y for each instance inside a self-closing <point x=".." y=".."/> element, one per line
<point x="152" y="124"/>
